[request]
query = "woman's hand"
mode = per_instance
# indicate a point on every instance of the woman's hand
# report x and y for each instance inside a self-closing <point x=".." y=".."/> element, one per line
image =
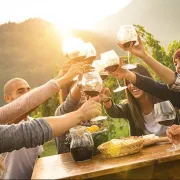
<point x="120" y="73"/>
<point x="105" y="96"/>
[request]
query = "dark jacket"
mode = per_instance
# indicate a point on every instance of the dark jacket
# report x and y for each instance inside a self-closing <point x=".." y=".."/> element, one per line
<point x="152" y="87"/>
<point x="123" y="111"/>
<point x="157" y="89"/>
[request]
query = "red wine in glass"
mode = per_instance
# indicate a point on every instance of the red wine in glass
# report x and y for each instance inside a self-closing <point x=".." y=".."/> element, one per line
<point x="91" y="93"/>
<point x="166" y="122"/>
<point x="112" y="68"/>
<point x="127" y="44"/>
<point x="104" y="76"/>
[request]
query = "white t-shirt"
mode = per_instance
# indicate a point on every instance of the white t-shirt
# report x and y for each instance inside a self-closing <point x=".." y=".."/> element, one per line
<point x="152" y="126"/>
<point x="19" y="164"/>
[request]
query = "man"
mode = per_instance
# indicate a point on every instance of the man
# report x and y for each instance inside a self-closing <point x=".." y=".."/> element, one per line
<point x="19" y="163"/>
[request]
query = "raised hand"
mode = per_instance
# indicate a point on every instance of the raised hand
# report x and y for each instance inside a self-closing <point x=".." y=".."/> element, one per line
<point x="90" y="109"/>
<point x="120" y="73"/>
<point x="75" y="69"/>
<point x="65" y="68"/>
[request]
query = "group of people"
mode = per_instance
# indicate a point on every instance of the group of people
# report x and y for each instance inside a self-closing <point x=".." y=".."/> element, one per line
<point x="21" y="136"/>
<point x="27" y="136"/>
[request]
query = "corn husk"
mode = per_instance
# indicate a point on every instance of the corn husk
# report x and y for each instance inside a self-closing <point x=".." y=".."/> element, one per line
<point x="121" y="147"/>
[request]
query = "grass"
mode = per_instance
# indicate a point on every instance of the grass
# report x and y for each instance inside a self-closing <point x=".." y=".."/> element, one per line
<point x="49" y="149"/>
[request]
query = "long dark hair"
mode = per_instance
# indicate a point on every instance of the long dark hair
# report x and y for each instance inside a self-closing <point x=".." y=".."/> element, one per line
<point x="133" y="103"/>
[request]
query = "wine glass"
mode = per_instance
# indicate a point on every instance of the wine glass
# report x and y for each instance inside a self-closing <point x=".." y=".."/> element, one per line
<point x="111" y="60"/>
<point x="126" y="35"/>
<point x="90" y="53"/>
<point x="78" y="51"/>
<point x="165" y="114"/>
<point x="99" y="66"/>
<point x="92" y="85"/>
<point x="74" y="49"/>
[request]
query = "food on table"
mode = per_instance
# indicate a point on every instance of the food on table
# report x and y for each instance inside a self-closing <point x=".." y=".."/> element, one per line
<point x="121" y="147"/>
<point x="150" y="137"/>
<point x="93" y="128"/>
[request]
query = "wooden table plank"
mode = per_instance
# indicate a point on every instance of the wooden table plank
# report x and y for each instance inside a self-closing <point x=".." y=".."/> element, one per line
<point x="62" y="166"/>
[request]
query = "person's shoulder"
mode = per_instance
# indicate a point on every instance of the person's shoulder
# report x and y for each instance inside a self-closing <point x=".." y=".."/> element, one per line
<point x="29" y="118"/>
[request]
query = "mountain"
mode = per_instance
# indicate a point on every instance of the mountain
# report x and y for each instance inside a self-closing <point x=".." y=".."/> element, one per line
<point x="159" y="17"/>
<point x="32" y="50"/>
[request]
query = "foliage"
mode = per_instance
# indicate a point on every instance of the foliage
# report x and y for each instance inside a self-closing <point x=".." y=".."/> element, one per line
<point x="156" y="50"/>
<point x="31" y="50"/>
<point x="118" y="127"/>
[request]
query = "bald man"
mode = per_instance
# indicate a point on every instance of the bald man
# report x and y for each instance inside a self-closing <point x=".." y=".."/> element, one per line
<point x="19" y="163"/>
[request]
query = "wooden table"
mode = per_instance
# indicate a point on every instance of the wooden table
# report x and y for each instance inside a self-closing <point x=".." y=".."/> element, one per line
<point x="151" y="163"/>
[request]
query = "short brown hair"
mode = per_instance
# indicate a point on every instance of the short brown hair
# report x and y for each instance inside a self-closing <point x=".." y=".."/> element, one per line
<point x="176" y="55"/>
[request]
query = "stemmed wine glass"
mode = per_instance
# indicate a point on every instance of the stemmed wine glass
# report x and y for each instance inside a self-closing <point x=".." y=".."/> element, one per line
<point x="78" y="51"/>
<point x="111" y="60"/>
<point x="92" y="85"/>
<point x="126" y="35"/>
<point x="74" y="49"/>
<point x="99" y="66"/>
<point x="165" y="114"/>
<point x="90" y="52"/>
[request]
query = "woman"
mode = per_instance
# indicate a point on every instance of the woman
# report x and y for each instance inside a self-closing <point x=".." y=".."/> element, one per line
<point x="138" y="110"/>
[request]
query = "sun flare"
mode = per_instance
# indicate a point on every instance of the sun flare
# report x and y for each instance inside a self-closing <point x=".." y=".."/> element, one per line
<point x="65" y="14"/>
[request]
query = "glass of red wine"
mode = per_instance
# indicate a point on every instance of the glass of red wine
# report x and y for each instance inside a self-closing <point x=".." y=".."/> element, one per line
<point x="111" y="60"/>
<point x="74" y="49"/>
<point x="127" y="35"/>
<point x="165" y="114"/>
<point x="92" y="85"/>
<point x="99" y="66"/>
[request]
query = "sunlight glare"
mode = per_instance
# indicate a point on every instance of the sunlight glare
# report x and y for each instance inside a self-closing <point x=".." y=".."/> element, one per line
<point x="79" y="14"/>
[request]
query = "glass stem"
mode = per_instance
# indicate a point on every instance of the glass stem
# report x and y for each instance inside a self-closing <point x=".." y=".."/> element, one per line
<point x="128" y="57"/>
<point x="118" y="82"/>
